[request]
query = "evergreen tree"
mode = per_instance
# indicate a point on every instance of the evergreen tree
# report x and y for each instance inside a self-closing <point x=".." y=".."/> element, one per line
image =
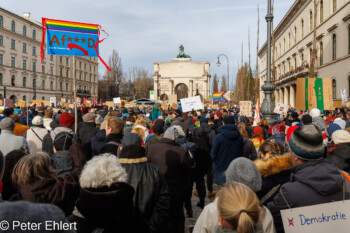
<point x="215" y="84"/>
<point x="223" y="83"/>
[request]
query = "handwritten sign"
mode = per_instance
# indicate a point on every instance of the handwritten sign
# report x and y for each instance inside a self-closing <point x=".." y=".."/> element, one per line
<point x="245" y="108"/>
<point x="22" y="103"/>
<point x="323" y="218"/>
<point x="110" y="104"/>
<point x="53" y="100"/>
<point x="281" y="108"/>
<point x="117" y="100"/>
<point x="192" y="103"/>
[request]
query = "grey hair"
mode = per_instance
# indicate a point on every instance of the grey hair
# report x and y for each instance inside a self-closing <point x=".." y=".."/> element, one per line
<point x="102" y="170"/>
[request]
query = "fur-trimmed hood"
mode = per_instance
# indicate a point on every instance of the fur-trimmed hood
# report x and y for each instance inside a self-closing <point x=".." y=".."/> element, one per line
<point x="274" y="165"/>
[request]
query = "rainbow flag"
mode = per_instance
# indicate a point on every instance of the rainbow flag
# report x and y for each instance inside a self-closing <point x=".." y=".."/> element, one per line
<point x="67" y="26"/>
<point x="217" y="96"/>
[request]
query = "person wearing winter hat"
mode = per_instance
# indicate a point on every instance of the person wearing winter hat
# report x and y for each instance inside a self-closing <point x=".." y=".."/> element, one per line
<point x="106" y="200"/>
<point x="155" y="204"/>
<point x="87" y="130"/>
<point x="310" y="175"/>
<point x="319" y="122"/>
<point x="306" y="119"/>
<point x="61" y="160"/>
<point x="8" y="141"/>
<point x="40" y="215"/>
<point x="258" y="137"/>
<point x="338" y="153"/>
<point x="174" y="164"/>
<point x="279" y="133"/>
<point x="331" y="128"/>
<point x="339" y="121"/>
<point x="66" y="120"/>
<point x="20" y="129"/>
<point x="244" y="171"/>
<point x="36" y="134"/>
<point x="315" y="112"/>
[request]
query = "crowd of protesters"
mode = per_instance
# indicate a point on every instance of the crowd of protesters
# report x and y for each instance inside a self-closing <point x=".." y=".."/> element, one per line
<point x="134" y="169"/>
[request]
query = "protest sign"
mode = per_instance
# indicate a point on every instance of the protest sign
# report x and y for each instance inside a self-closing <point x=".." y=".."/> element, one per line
<point x="208" y="101"/>
<point x="175" y="106"/>
<point x="191" y="103"/>
<point x="173" y="99"/>
<point x="47" y="103"/>
<point x="110" y="104"/>
<point x="337" y="104"/>
<point x="22" y="103"/>
<point x="53" y="100"/>
<point x="323" y="218"/>
<point x="281" y="108"/>
<point x="63" y="100"/>
<point x="117" y="100"/>
<point x="1" y="103"/>
<point x="245" y="108"/>
<point x="151" y="95"/>
<point x="88" y="103"/>
<point x="314" y="93"/>
<point x="37" y="102"/>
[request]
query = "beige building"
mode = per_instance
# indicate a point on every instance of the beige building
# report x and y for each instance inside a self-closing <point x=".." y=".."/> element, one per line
<point x="182" y="78"/>
<point x="21" y="71"/>
<point x="293" y="47"/>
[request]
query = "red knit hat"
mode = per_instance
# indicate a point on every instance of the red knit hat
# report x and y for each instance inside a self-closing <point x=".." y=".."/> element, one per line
<point x="212" y="114"/>
<point x="219" y="114"/>
<point x="257" y="130"/>
<point x="290" y="130"/>
<point x="84" y="110"/>
<point x="66" y="119"/>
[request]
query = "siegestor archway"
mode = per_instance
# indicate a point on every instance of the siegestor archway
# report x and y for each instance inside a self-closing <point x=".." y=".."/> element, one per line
<point x="181" y="91"/>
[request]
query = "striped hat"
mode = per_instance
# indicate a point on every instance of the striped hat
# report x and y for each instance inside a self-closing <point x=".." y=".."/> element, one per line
<point x="306" y="143"/>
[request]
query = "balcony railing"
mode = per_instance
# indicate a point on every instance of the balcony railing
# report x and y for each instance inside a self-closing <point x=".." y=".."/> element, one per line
<point x="299" y="72"/>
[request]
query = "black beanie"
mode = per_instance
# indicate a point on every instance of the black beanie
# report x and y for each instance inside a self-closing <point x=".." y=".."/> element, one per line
<point x="63" y="141"/>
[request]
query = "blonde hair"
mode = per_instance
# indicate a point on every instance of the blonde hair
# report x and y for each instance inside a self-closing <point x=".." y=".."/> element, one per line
<point x="242" y="130"/>
<point x="239" y="207"/>
<point x="31" y="168"/>
<point x="139" y="121"/>
<point x="139" y="131"/>
<point x="102" y="170"/>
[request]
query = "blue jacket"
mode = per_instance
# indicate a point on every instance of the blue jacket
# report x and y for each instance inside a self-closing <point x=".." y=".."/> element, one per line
<point x="228" y="145"/>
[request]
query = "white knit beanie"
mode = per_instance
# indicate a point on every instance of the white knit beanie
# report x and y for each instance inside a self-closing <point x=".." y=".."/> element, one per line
<point x="341" y="136"/>
<point x="315" y="112"/>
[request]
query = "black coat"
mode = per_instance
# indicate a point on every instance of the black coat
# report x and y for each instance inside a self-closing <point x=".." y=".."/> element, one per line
<point x="110" y="208"/>
<point x="113" y="141"/>
<point x="98" y="141"/>
<point x="174" y="165"/>
<point x="340" y="157"/>
<point x="86" y="132"/>
<point x="249" y="150"/>
<point x="310" y="183"/>
<point x="151" y="192"/>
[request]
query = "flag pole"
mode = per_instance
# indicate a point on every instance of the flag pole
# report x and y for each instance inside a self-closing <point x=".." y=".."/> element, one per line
<point x="75" y="99"/>
<point x="27" y="112"/>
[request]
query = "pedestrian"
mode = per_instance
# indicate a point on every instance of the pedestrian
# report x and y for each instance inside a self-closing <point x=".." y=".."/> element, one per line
<point x="87" y="131"/>
<point x="151" y="197"/>
<point x="48" y="118"/>
<point x="258" y="137"/>
<point x="61" y="160"/>
<point x="339" y="152"/>
<point x="105" y="203"/>
<point x="8" y="141"/>
<point x="228" y="145"/>
<point x="19" y="128"/>
<point x="249" y="150"/>
<point x="114" y="129"/>
<point x="36" y="134"/>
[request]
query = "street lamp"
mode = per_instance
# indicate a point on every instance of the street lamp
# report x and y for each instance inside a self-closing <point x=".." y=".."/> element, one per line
<point x="268" y="104"/>
<point x="218" y="64"/>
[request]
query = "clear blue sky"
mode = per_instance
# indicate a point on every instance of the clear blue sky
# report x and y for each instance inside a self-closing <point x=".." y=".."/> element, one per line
<point x="146" y="31"/>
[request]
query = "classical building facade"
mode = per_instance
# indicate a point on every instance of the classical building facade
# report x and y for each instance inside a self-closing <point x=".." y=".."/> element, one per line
<point x="182" y="78"/>
<point x="294" y="42"/>
<point x="21" y="71"/>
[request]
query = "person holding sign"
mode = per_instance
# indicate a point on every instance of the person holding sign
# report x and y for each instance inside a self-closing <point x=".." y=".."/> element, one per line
<point x="313" y="180"/>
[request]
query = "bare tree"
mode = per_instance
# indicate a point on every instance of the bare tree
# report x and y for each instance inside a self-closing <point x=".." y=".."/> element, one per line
<point x="115" y="76"/>
<point x="215" y="84"/>
<point x="223" y="83"/>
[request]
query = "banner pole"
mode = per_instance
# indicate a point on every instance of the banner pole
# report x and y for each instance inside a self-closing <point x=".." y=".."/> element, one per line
<point x="75" y="99"/>
<point x="27" y="112"/>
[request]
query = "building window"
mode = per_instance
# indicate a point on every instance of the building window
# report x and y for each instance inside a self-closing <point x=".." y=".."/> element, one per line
<point x="43" y="84"/>
<point x="1" y="41"/>
<point x="51" y="85"/>
<point x="60" y="59"/>
<point x="13" y="61"/>
<point x="80" y="65"/>
<point x="24" y="81"/>
<point x="61" y="72"/>
<point x="90" y="78"/>
<point x="67" y="60"/>
<point x="1" y="21"/>
<point x="0" y="59"/>
<point x="334" y="86"/>
<point x="84" y="66"/>
<point x="334" y="47"/>
<point x="43" y="98"/>
<point x="13" y="26"/>
<point x="34" y="51"/>
<point x="349" y="39"/>
<point x="51" y="57"/>
<point x="24" y="30"/>
<point x="295" y="63"/>
<point x="85" y="77"/>
<point x="13" y="80"/>
<point x="34" y="67"/>
<point x="34" y="35"/>
<point x="66" y="86"/>
<point x="51" y="70"/>
<point x="34" y="83"/>
<point x="24" y="47"/>
<point x="289" y="41"/>
<point x="0" y="79"/>
<point x="67" y="73"/>
<point x="321" y="11"/>
<point x="61" y="86"/>
<point x="24" y="98"/>
<point x="302" y="58"/>
<point x="284" y="45"/>
<point x="13" y="44"/>
<point x="43" y="69"/>
<point x="80" y="76"/>
<point x="334" y="6"/>
<point x="24" y="64"/>
<point x="302" y="28"/>
<point x="311" y="20"/>
<point x="321" y="54"/>
<point x="295" y="35"/>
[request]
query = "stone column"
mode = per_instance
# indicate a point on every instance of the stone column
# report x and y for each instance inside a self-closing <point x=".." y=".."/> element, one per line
<point x="286" y="95"/>
<point x="190" y="90"/>
<point x="205" y="88"/>
<point x="281" y="96"/>
<point x="276" y="96"/>
<point x="171" y="84"/>
<point x="155" y="88"/>
<point x="292" y="96"/>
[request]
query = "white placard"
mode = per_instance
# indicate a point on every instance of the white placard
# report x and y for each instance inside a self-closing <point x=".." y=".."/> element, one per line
<point x="245" y="108"/>
<point x="117" y="100"/>
<point x="53" y="100"/>
<point x="191" y="103"/>
<point x="344" y="96"/>
<point x="281" y="108"/>
<point x="323" y="218"/>
<point x="63" y="100"/>
<point x="151" y="95"/>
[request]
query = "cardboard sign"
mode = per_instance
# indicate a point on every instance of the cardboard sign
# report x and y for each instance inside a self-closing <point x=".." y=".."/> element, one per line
<point x="337" y="104"/>
<point x="1" y="103"/>
<point x="53" y="100"/>
<point x="323" y="218"/>
<point x="245" y="108"/>
<point x="173" y="99"/>
<point x="88" y="103"/>
<point x="192" y="103"/>
<point x="71" y="105"/>
<point x="281" y="108"/>
<point x="22" y="103"/>
<point x="110" y="104"/>
<point x="207" y="101"/>
<point x="117" y="100"/>
<point x="314" y="93"/>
